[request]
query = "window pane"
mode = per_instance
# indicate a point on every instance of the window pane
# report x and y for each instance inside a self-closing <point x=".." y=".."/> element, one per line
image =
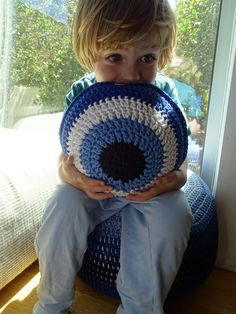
<point x="197" y="25"/>
<point x="43" y="65"/>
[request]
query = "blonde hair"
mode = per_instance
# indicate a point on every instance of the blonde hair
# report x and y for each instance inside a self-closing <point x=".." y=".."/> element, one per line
<point x="111" y="24"/>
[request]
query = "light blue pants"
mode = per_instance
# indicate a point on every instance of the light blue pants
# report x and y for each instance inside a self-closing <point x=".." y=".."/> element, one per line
<point x="154" y="237"/>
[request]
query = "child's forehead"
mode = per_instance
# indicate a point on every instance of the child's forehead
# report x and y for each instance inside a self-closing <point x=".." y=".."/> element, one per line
<point x="139" y="46"/>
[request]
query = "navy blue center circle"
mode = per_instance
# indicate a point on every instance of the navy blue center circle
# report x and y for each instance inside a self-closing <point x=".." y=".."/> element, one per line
<point x="122" y="161"/>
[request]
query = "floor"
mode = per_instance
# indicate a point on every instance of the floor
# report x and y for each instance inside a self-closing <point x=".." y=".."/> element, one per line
<point x="216" y="296"/>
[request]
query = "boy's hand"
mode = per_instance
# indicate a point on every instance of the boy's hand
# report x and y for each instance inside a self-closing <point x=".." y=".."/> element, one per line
<point x="170" y="182"/>
<point x="95" y="189"/>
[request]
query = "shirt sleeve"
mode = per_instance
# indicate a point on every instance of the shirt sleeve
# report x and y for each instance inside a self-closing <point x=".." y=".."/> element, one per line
<point x="78" y="86"/>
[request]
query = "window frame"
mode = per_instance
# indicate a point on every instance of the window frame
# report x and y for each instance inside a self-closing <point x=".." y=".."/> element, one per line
<point x="223" y="80"/>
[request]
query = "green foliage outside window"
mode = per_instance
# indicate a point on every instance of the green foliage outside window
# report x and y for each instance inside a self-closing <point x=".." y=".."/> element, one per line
<point x="197" y="22"/>
<point x="42" y="53"/>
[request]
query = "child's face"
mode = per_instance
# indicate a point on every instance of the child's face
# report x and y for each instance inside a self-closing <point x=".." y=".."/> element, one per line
<point x="136" y="64"/>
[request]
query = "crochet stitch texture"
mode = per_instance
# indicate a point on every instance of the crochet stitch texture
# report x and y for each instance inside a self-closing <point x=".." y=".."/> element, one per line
<point x="126" y="135"/>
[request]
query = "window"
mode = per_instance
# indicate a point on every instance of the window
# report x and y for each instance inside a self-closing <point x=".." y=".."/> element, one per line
<point x="219" y="146"/>
<point x="197" y="22"/>
<point x="38" y="65"/>
<point x="40" y="62"/>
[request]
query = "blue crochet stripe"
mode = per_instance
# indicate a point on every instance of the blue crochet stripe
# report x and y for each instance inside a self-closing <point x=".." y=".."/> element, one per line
<point x="122" y="130"/>
<point x="172" y="113"/>
<point x="149" y="93"/>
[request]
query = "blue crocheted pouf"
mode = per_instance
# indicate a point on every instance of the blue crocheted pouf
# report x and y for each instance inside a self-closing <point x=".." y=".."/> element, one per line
<point x="125" y="135"/>
<point x="101" y="261"/>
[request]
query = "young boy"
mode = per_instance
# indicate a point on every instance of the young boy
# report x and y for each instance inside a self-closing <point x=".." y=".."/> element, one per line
<point x="122" y="42"/>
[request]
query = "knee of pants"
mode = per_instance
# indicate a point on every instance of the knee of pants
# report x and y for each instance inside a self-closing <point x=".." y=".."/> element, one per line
<point x="68" y="204"/>
<point x="66" y="218"/>
<point x="171" y="218"/>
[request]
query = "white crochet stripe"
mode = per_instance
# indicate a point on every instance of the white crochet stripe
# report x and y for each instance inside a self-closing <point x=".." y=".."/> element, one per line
<point x="123" y="108"/>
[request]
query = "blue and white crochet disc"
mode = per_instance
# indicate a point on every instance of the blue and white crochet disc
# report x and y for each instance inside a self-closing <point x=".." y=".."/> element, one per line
<point x="126" y="135"/>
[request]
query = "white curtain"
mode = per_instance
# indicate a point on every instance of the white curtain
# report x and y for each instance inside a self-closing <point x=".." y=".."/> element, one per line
<point x="6" y="9"/>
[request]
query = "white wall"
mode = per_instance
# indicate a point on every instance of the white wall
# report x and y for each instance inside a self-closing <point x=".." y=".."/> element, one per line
<point x="219" y="160"/>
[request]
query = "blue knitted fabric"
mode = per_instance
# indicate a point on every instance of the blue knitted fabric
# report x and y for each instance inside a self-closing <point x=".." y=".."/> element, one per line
<point x="125" y="135"/>
<point x="101" y="260"/>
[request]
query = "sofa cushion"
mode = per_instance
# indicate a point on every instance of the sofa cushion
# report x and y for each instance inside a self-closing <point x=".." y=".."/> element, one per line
<point x="28" y="175"/>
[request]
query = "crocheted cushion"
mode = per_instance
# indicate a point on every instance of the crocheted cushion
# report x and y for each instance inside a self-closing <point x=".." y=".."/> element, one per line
<point x="101" y="260"/>
<point x="125" y="135"/>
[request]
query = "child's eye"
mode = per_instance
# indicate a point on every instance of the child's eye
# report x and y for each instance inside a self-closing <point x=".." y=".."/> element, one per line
<point x="114" y="58"/>
<point x="149" y="59"/>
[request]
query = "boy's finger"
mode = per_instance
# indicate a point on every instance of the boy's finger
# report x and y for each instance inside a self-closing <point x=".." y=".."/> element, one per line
<point x="100" y="196"/>
<point x="101" y="189"/>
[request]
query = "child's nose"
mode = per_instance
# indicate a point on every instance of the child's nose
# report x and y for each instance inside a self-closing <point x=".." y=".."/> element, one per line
<point x="131" y="73"/>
